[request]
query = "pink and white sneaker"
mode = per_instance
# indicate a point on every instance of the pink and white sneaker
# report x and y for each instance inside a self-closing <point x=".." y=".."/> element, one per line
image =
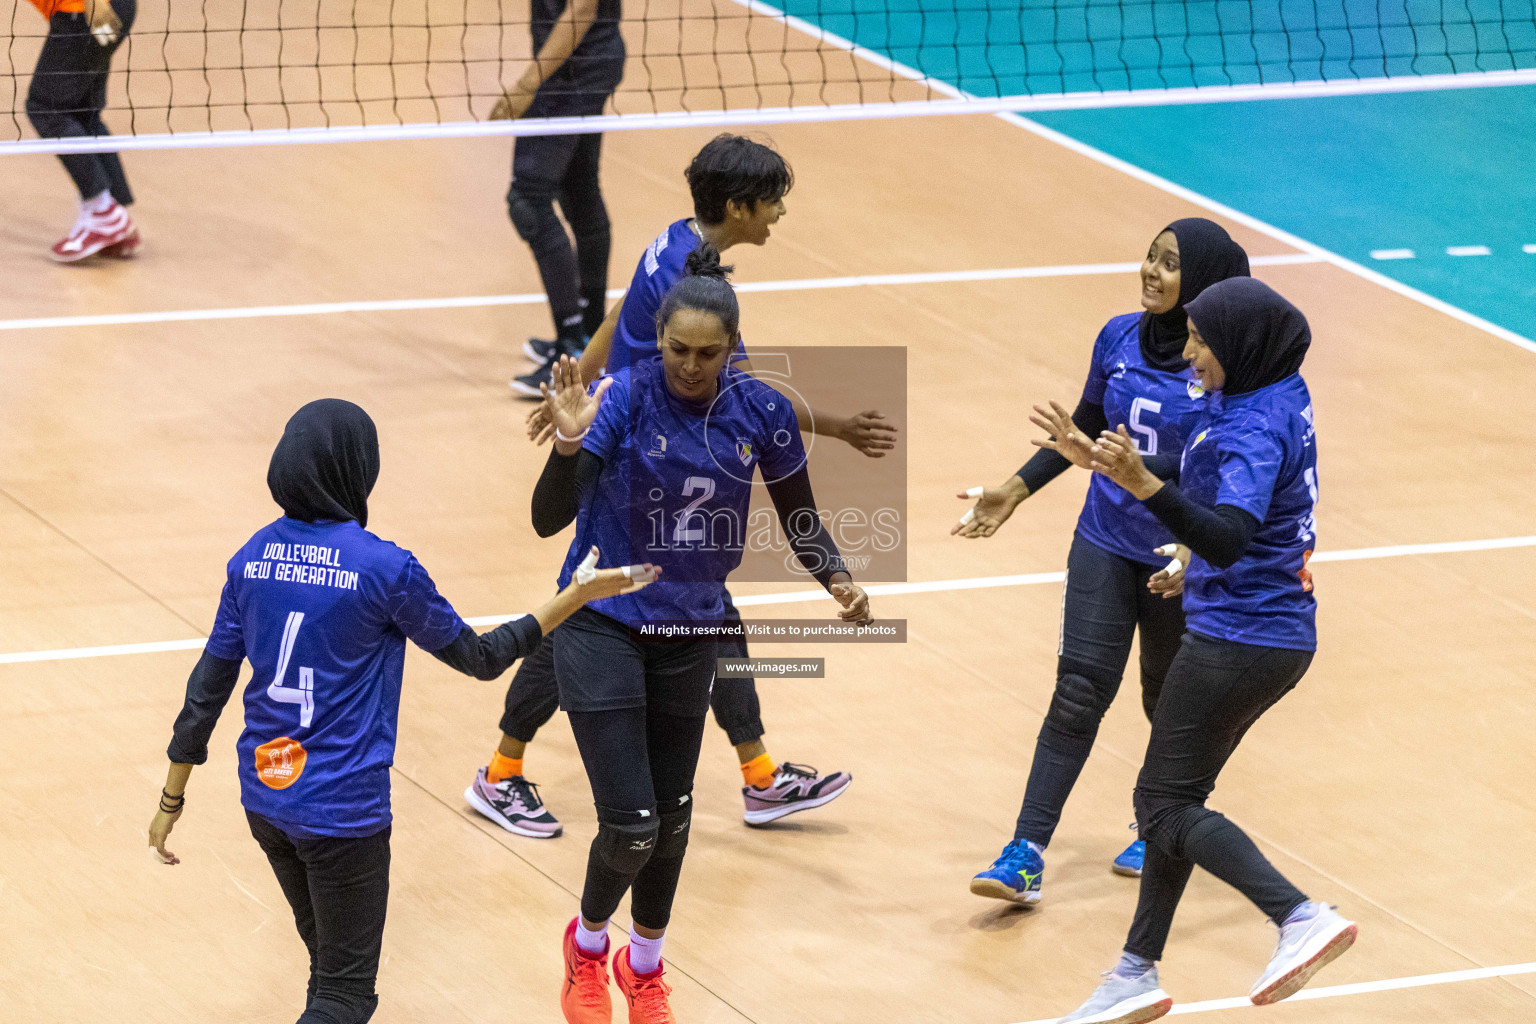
<point x="126" y="249"/>
<point x="514" y="804"/>
<point x="796" y="787"/>
<point x="93" y="233"/>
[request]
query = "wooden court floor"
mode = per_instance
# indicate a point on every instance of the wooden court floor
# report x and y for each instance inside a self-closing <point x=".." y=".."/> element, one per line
<point x="1395" y="781"/>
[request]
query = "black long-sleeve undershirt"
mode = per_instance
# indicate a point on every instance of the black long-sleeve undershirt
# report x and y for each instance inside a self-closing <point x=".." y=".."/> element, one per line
<point x="208" y="689"/>
<point x="1046" y="465"/>
<point x="484" y="656"/>
<point x="487" y="655"/>
<point x="566" y="478"/>
<point x="1220" y="535"/>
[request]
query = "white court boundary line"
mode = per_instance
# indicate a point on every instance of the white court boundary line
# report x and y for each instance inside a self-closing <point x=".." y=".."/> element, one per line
<point x="1147" y="177"/>
<point x="802" y="596"/>
<point x="1358" y="988"/>
<point x="536" y="298"/>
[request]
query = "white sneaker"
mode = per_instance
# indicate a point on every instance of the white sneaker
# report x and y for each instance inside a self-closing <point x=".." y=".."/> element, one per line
<point x="1120" y="1000"/>
<point x="1304" y="948"/>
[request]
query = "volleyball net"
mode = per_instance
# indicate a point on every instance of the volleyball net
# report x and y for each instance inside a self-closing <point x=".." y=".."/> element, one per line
<point x="237" y="72"/>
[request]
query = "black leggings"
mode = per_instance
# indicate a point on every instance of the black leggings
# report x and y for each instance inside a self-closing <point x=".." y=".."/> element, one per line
<point x="533" y="696"/>
<point x="339" y="891"/>
<point x="1105" y="602"/>
<point x="546" y="168"/>
<point x="69" y="92"/>
<point x="1216" y="690"/>
<point x="640" y="758"/>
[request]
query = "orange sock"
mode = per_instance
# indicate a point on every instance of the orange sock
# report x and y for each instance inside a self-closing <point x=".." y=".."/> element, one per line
<point x="759" y="771"/>
<point x="502" y="767"/>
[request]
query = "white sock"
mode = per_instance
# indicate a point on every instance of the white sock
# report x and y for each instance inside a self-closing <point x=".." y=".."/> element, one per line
<point x="593" y="942"/>
<point x="97" y="204"/>
<point x="644" y="953"/>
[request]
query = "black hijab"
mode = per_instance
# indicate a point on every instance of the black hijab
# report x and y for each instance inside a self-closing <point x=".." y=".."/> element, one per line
<point x="1207" y="255"/>
<point x="326" y="464"/>
<point x="1258" y="338"/>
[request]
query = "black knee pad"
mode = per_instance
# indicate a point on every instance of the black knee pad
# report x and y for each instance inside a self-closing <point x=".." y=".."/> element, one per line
<point x="625" y="848"/>
<point x="529" y="217"/>
<point x="672" y="840"/>
<point x="1077" y="705"/>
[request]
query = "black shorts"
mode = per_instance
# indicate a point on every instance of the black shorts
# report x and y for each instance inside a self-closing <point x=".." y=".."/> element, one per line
<point x="602" y="667"/>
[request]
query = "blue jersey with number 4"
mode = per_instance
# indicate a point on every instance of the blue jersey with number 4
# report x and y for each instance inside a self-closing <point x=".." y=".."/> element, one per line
<point x="1258" y="452"/>
<point x="323" y="610"/>
<point x="676" y="485"/>
<point x="1159" y="409"/>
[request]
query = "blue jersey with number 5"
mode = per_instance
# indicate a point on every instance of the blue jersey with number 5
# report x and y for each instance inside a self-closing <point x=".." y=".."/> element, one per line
<point x="676" y="485"/>
<point x="1257" y="452"/>
<point x="1159" y="409"/>
<point x="323" y="610"/>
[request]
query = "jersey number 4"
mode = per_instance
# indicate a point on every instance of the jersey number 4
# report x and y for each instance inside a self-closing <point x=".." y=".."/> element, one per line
<point x="304" y="694"/>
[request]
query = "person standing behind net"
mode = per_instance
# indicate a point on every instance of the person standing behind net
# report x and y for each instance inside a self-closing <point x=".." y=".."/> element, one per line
<point x="65" y="101"/>
<point x="578" y="63"/>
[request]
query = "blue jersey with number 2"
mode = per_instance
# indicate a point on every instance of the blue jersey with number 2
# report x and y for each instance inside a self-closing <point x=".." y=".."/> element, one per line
<point x="1159" y="409"/>
<point x="323" y="610"/>
<point x="676" y="485"/>
<point x="1257" y="452"/>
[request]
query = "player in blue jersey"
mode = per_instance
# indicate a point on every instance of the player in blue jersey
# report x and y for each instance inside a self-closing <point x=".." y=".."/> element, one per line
<point x="1242" y="497"/>
<point x="322" y="609"/>
<point x="658" y="461"/>
<point x="738" y="187"/>
<point x="1117" y="584"/>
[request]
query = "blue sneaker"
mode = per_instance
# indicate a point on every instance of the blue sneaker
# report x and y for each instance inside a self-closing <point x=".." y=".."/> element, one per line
<point x="1014" y="876"/>
<point x="1130" y="860"/>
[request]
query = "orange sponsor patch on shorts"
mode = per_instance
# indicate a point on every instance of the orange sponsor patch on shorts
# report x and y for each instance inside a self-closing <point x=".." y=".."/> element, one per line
<point x="280" y="762"/>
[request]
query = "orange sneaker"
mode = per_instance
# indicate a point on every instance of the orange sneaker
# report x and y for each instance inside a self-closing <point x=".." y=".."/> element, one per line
<point x="584" y="997"/>
<point x="645" y="993"/>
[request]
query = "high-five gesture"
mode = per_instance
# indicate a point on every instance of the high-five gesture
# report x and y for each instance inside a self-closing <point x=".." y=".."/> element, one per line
<point x="1065" y="439"/>
<point x="568" y="406"/>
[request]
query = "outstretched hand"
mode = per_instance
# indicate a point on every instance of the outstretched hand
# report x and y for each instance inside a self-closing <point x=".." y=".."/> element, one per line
<point x="567" y="405"/>
<point x="993" y="507"/>
<point x="869" y="433"/>
<point x="1064" y="437"/>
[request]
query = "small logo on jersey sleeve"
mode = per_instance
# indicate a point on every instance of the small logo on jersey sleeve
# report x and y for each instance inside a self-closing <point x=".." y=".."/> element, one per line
<point x="658" y="447"/>
<point x="1198" y="438"/>
<point x="744" y="451"/>
<point x="280" y="762"/>
<point x="1194" y="389"/>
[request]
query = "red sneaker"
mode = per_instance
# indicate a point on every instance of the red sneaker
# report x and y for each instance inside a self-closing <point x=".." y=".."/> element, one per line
<point x="584" y="998"/>
<point x="127" y="248"/>
<point x="646" y="993"/>
<point x="94" y="234"/>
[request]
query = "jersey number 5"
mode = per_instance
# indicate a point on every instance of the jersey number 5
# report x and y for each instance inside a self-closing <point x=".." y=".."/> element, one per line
<point x="304" y="694"/>
<point x="1148" y="443"/>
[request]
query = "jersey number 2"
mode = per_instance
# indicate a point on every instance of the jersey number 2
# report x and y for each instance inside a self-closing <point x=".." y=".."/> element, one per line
<point x="304" y="694"/>
<point x="1148" y="443"/>
<point x="682" y="533"/>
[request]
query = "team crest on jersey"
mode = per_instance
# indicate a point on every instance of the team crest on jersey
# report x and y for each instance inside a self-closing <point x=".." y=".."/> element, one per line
<point x="658" y="447"/>
<point x="1198" y="438"/>
<point x="744" y="451"/>
<point x="1194" y="389"/>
